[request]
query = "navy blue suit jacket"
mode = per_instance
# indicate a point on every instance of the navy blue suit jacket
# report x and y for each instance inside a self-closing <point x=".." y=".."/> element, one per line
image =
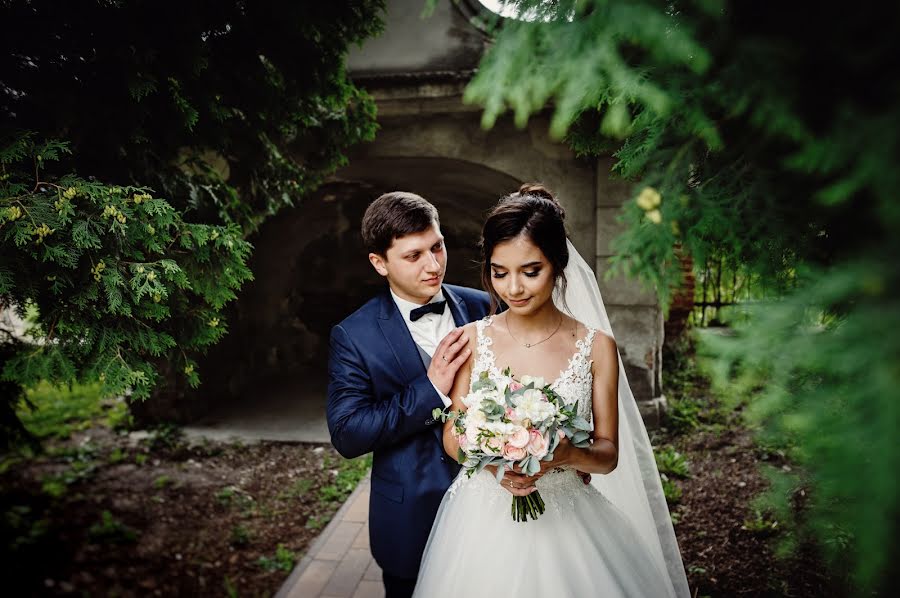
<point x="380" y="400"/>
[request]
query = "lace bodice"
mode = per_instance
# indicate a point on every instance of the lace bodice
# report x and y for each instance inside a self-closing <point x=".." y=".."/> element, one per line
<point x="559" y="487"/>
<point x="574" y="383"/>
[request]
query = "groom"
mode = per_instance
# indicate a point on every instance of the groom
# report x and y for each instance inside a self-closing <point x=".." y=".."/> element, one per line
<point x="391" y="363"/>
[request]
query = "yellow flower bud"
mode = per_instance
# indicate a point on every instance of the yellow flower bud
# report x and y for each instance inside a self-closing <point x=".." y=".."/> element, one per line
<point x="654" y="216"/>
<point x="151" y="276"/>
<point x="214" y="322"/>
<point x="157" y="297"/>
<point x="140" y="269"/>
<point x="648" y="199"/>
<point x="188" y="369"/>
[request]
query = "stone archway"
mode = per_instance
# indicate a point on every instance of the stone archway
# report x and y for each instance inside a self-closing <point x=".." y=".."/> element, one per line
<point x="310" y="272"/>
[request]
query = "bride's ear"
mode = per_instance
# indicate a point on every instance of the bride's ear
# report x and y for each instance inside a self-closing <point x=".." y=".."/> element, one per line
<point x="377" y="262"/>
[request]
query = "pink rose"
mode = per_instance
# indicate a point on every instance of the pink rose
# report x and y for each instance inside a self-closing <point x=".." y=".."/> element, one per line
<point x="561" y="434"/>
<point x="493" y="446"/>
<point x="463" y="440"/>
<point x="537" y="444"/>
<point x="519" y="438"/>
<point x="513" y="453"/>
<point x="514" y="386"/>
<point x="510" y="413"/>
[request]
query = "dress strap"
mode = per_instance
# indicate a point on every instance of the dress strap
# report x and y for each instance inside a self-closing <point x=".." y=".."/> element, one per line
<point x="586" y="344"/>
<point x="484" y="356"/>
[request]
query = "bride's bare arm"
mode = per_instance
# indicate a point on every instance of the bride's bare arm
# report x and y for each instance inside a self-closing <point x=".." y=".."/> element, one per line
<point x="459" y="389"/>
<point x="603" y="454"/>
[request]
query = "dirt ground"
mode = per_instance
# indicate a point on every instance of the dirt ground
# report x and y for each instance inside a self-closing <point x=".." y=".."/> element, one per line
<point x="225" y="519"/>
<point x="726" y="548"/>
<point x="210" y="520"/>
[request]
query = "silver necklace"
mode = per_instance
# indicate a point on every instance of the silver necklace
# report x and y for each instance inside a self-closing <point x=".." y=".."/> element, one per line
<point x="530" y="345"/>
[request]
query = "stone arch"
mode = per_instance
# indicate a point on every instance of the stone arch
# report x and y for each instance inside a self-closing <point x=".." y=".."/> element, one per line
<point x="311" y="271"/>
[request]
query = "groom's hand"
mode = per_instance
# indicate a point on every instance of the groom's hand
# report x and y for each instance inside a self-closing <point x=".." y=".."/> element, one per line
<point x="450" y="354"/>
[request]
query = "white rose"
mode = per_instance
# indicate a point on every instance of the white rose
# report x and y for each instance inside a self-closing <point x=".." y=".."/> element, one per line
<point x="519" y="437"/>
<point x="538" y="381"/>
<point x="534" y="407"/>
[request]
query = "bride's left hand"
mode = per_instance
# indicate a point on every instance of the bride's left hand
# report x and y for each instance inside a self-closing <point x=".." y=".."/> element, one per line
<point x="562" y="453"/>
<point x="561" y="458"/>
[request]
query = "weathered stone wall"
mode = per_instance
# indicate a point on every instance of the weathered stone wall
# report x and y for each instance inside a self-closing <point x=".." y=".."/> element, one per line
<point x="311" y="269"/>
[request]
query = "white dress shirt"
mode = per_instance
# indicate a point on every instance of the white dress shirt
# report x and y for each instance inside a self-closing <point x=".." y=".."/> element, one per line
<point x="429" y="330"/>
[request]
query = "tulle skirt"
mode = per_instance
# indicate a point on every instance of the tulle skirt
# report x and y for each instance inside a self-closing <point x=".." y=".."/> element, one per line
<point x="582" y="545"/>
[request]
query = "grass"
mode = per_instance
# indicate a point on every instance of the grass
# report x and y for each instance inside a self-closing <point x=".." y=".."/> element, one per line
<point x="111" y="531"/>
<point x="240" y="535"/>
<point x="232" y="496"/>
<point x="691" y="405"/>
<point x="671" y="490"/>
<point x="117" y="455"/>
<point x="669" y="461"/>
<point x="59" y="411"/>
<point x="761" y="523"/>
<point x="82" y="463"/>
<point x="298" y="489"/>
<point x="283" y="560"/>
<point x="349" y="473"/>
<point x="317" y="522"/>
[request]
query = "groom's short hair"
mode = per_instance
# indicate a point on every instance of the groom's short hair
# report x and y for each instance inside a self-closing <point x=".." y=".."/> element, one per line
<point x="394" y="215"/>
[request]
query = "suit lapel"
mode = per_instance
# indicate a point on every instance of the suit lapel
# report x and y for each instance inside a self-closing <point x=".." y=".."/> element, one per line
<point x="399" y="339"/>
<point x="457" y="307"/>
<point x="404" y="347"/>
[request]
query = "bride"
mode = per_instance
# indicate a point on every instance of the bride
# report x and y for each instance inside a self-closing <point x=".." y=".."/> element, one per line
<point x="612" y="538"/>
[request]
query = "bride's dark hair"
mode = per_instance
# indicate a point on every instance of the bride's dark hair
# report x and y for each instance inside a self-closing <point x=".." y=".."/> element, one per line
<point x="531" y="211"/>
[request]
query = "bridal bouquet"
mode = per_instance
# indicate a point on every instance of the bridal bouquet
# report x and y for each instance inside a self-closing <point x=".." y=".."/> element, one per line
<point x="512" y="422"/>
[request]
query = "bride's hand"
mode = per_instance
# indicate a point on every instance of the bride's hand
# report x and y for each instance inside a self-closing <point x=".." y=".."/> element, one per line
<point x="561" y="456"/>
<point x="516" y="483"/>
<point x="562" y="453"/>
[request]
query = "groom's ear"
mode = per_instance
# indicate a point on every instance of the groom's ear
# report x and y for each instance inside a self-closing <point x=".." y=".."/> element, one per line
<point x="377" y="262"/>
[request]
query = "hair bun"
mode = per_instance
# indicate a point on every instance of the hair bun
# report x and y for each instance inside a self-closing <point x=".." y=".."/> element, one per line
<point x="538" y="190"/>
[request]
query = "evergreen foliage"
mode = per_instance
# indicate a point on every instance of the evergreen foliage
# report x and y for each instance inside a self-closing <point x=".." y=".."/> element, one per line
<point x="229" y="110"/>
<point x="765" y="137"/>
<point x="119" y="280"/>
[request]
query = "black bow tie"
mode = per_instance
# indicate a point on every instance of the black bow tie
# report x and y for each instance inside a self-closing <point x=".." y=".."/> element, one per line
<point x="429" y="308"/>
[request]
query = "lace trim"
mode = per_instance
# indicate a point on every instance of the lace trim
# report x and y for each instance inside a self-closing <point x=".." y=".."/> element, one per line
<point x="484" y="356"/>
<point x="576" y="373"/>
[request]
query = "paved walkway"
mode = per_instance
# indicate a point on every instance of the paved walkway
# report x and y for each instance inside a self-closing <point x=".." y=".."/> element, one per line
<point x="290" y="412"/>
<point x="338" y="564"/>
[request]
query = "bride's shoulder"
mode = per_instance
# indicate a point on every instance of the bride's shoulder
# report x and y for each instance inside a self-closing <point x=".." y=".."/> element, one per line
<point x="604" y="351"/>
<point x="601" y="344"/>
<point x="470" y="330"/>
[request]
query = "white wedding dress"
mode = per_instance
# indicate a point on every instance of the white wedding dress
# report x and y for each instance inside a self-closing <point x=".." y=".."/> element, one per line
<point x="582" y="545"/>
